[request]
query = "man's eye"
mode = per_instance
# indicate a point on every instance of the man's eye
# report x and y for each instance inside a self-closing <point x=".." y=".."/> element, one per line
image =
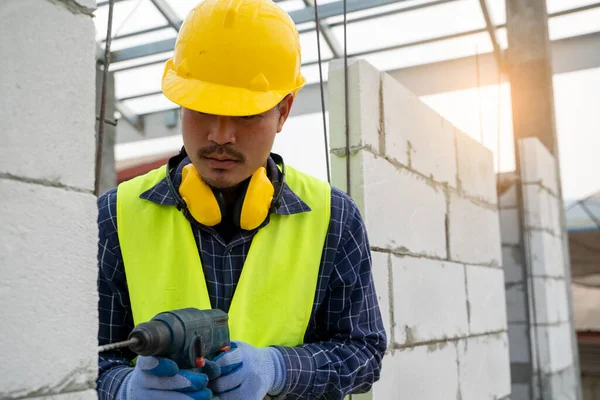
<point x="249" y="117"/>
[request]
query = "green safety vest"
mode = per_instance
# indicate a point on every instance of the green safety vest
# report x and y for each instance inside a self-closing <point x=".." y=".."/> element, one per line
<point x="273" y="301"/>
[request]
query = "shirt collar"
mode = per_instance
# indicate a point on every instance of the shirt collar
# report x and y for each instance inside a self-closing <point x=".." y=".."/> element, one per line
<point x="290" y="202"/>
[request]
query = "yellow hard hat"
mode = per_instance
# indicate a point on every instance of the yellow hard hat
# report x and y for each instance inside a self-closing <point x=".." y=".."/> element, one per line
<point x="234" y="57"/>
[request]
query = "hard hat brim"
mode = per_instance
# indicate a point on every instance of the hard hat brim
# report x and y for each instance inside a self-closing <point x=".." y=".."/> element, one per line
<point x="212" y="98"/>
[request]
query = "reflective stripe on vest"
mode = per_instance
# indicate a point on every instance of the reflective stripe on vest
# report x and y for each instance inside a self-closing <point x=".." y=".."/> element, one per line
<point x="275" y="294"/>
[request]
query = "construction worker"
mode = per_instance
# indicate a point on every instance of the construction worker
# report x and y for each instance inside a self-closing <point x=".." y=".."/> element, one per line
<point x="227" y="224"/>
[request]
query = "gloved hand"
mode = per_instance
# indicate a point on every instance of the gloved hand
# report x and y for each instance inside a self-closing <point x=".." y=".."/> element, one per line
<point x="158" y="378"/>
<point x="249" y="373"/>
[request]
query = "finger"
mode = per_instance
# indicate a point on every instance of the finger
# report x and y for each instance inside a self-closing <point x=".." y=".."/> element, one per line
<point x="232" y="347"/>
<point x="211" y="369"/>
<point x="204" y="394"/>
<point x="170" y="395"/>
<point x="229" y="361"/>
<point x="226" y="383"/>
<point x="157" y="366"/>
<point x="198" y="381"/>
<point x="183" y="381"/>
<point x="235" y="394"/>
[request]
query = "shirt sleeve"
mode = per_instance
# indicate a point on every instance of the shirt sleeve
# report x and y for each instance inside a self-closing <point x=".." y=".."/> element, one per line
<point x="115" y="318"/>
<point x="344" y="349"/>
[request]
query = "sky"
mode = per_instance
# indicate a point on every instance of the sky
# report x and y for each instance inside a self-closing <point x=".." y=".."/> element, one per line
<point x="483" y="113"/>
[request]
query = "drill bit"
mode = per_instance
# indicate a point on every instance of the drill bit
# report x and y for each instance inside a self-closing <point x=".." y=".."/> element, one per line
<point x="118" y="345"/>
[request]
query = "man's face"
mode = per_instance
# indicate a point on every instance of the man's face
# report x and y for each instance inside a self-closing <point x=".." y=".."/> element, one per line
<point x="226" y="150"/>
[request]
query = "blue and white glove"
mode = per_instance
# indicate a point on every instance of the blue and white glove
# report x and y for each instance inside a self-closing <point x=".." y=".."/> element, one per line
<point x="249" y="373"/>
<point x="157" y="378"/>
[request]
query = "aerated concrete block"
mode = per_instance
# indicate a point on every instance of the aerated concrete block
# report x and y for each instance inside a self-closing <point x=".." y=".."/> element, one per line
<point x="555" y="342"/>
<point x="546" y="254"/>
<point x="474" y="233"/>
<point x="484" y="367"/>
<point x="86" y="395"/>
<point x="417" y="136"/>
<point x="550" y="300"/>
<point x="430" y="301"/>
<point x="508" y="199"/>
<point x="487" y="301"/>
<point x="48" y="286"/>
<point x="510" y="226"/>
<point x="538" y="164"/>
<point x="381" y="279"/>
<point x="363" y="104"/>
<point x="519" y="343"/>
<point x="541" y="209"/>
<point x="476" y="174"/>
<point x="423" y="372"/>
<point x="403" y="213"/>
<point x="512" y="262"/>
<point x="48" y="118"/>
<point x="516" y="302"/>
<point x="520" y="391"/>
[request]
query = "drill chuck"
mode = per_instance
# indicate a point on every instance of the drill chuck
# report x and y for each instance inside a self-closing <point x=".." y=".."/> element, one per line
<point x="153" y="337"/>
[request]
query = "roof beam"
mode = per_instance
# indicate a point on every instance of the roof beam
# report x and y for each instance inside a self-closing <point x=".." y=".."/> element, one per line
<point x="569" y="55"/>
<point x="167" y="11"/>
<point x="491" y="31"/>
<point x="328" y="35"/>
<point x="132" y="118"/>
<point x="299" y="17"/>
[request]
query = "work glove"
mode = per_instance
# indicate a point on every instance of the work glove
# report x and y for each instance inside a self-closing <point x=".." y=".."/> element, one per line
<point x="249" y="373"/>
<point x="159" y="378"/>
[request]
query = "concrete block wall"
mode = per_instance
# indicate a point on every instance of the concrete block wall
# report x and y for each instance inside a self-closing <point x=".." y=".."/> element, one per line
<point x="427" y="193"/>
<point x="541" y="334"/>
<point x="47" y="207"/>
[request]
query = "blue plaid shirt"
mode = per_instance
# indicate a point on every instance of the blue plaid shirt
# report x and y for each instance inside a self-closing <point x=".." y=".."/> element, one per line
<point x="345" y="340"/>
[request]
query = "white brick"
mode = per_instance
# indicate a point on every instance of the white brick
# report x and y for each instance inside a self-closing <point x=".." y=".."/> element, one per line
<point x="538" y="164"/>
<point x="555" y="342"/>
<point x="484" y="369"/>
<point x="510" y="226"/>
<point x="87" y="395"/>
<point x="520" y="391"/>
<point x="474" y="233"/>
<point x="430" y="301"/>
<point x="357" y="184"/>
<point x="363" y="104"/>
<point x="424" y="372"/>
<point x="516" y="302"/>
<point x="48" y="132"/>
<point x="541" y="209"/>
<point x="519" y="343"/>
<point x="487" y="301"/>
<point x="508" y="199"/>
<point x="513" y="264"/>
<point x="402" y="211"/>
<point x="475" y="169"/>
<point x="416" y="135"/>
<point x="550" y="300"/>
<point x="48" y="288"/>
<point x="381" y="279"/>
<point x="90" y="5"/>
<point x="546" y="254"/>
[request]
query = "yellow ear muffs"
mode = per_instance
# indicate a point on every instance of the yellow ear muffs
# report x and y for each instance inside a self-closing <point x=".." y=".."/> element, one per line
<point x="199" y="198"/>
<point x="257" y="200"/>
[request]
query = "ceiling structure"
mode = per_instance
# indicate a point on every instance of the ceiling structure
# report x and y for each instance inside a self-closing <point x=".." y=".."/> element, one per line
<point x="426" y="44"/>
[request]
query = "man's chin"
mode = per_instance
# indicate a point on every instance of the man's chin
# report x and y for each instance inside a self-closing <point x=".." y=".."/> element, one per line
<point x="221" y="181"/>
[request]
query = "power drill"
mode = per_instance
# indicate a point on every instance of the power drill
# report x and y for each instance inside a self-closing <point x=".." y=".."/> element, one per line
<point x="188" y="336"/>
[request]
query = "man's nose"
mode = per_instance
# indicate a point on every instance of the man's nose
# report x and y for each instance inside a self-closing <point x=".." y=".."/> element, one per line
<point x="223" y="131"/>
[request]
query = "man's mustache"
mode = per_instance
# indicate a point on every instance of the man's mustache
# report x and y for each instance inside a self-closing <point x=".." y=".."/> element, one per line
<point x="220" y="149"/>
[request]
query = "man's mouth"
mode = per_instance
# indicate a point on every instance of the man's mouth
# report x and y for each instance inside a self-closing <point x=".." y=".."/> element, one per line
<point x="221" y="162"/>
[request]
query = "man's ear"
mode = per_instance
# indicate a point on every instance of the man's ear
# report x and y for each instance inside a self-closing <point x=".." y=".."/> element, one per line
<point x="285" y="106"/>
